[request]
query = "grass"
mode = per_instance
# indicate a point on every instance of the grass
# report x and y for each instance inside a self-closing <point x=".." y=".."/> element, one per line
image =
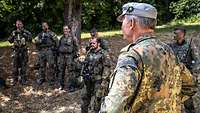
<point x="117" y="33"/>
<point x="169" y="27"/>
<point x="4" y="44"/>
<point x="103" y="34"/>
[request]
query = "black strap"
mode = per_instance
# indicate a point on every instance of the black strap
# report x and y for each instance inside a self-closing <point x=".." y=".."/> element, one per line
<point x="139" y="82"/>
<point x="189" y="48"/>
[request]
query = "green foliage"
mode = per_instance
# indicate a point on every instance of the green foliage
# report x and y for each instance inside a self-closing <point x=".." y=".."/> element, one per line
<point x="188" y="20"/>
<point x="32" y="12"/>
<point x="5" y="8"/>
<point x="101" y="14"/>
<point x="185" y="8"/>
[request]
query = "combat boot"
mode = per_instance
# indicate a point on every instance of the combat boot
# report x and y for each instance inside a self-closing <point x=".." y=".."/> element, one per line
<point x="23" y="82"/>
<point x="40" y="81"/>
<point x="14" y="81"/>
<point x="3" y="84"/>
<point x="71" y="89"/>
<point x="61" y="87"/>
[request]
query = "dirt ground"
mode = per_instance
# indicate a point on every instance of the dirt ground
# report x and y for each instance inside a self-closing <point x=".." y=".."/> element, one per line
<point x="32" y="98"/>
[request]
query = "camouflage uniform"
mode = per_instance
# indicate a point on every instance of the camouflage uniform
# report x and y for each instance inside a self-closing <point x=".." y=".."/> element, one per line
<point x="147" y="79"/>
<point x="105" y="46"/>
<point x="188" y="54"/>
<point x="46" y="43"/>
<point x="95" y="72"/>
<point x="67" y="51"/>
<point x="20" y="53"/>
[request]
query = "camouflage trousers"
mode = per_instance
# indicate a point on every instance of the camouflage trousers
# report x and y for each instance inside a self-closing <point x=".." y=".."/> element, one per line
<point x="91" y="95"/>
<point x="188" y="106"/>
<point x="196" y="100"/>
<point x="66" y="65"/>
<point x="46" y="66"/>
<point x="19" y="64"/>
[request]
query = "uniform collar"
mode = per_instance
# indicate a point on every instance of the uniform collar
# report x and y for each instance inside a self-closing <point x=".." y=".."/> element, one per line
<point x="145" y="36"/>
<point x="68" y="35"/>
<point x="142" y="37"/>
<point x="181" y="43"/>
<point x="96" y="51"/>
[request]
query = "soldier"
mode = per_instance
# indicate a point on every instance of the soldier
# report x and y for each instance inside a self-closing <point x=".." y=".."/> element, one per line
<point x="95" y="72"/>
<point x="67" y="51"/>
<point x="46" y="42"/>
<point x="20" y="37"/>
<point x="147" y="76"/>
<point x="104" y="45"/>
<point x="188" y="54"/>
<point x="94" y="34"/>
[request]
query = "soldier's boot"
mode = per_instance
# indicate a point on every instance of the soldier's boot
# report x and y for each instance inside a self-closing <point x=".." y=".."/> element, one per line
<point x="62" y="86"/>
<point x="97" y="105"/>
<point x="14" y="79"/>
<point x="23" y="81"/>
<point x="70" y="88"/>
<point x="15" y="74"/>
<point x="72" y="84"/>
<point x="40" y="81"/>
<point x="40" y="76"/>
<point x="84" y="109"/>
<point x="23" y="76"/>
<point x="36" y="66"/>
<point x="51" y="82"/>
<point x="61" y="83"/>
<point x="3" y="84"/>
<point x="85" y="101"/>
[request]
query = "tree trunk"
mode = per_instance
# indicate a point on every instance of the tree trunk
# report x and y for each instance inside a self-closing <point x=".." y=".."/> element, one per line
<point x="72" y="16"/>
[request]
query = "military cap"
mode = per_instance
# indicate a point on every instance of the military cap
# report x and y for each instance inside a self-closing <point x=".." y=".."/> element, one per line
<point x="93" y="31"/>
<point x="138" y="9"/>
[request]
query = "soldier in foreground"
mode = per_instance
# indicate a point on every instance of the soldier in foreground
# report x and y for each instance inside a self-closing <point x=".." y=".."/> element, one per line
<point x="147" y="78"/>
<point x="67" y="50"/>
<point x="95" y="72"/>
<point x="188" y="54"/>
<point x="20" y="37"/>
<point x="46" y="42"/>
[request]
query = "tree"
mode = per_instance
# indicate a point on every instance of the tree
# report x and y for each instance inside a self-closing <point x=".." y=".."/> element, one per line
<point x="185" y="8"/>
<point x="72" y="16"/>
